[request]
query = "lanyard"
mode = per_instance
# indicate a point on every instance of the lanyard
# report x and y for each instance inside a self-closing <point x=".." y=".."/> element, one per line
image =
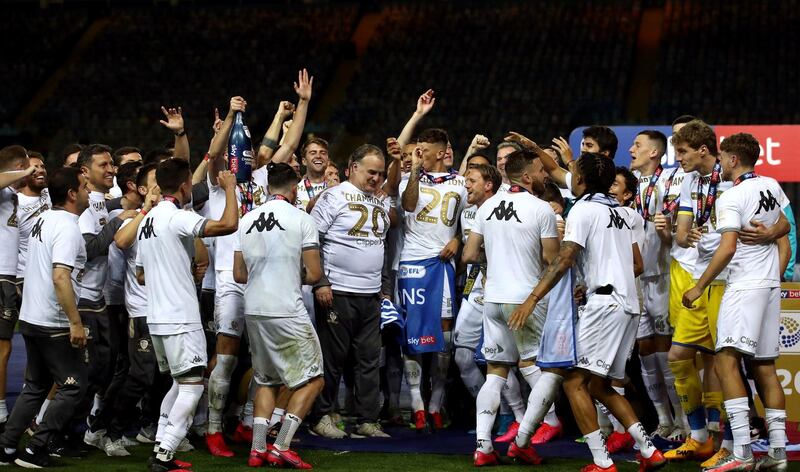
<point x="310" y="188"/>
<point x="745" y="176"/>
<point x="705" y="203"/>
<point x="644" y="210"/>
<point x="173" y="200"/>
<point x="517" y="189"/>
<point x="245" y="197"/>
<point x="438" y="180"/>
<point x="669" y="207"/>
<point x="279" y="197"/>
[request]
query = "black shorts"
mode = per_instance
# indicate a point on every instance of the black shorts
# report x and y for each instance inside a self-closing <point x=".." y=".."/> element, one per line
<point x="9" y="306"/>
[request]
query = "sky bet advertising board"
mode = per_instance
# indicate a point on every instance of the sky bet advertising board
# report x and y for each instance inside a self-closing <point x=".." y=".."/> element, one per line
<point x="780" y="146"/>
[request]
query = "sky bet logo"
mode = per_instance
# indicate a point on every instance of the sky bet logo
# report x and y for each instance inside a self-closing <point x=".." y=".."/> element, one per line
<point x="422" y="341"/>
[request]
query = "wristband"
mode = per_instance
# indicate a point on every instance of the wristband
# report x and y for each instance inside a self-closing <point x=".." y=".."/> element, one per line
<point x="207" y="157"/>
<point x="270" y="143"/>
<point x="143" y="212"/>
<point x="181" y="133"/>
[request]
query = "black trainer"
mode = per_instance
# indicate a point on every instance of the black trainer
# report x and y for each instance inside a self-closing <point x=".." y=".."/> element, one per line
<point x="59" y="445"/>
<point x="158" y="465"/>
<point x="35" y="458"/>
<point x="6" y="458"/>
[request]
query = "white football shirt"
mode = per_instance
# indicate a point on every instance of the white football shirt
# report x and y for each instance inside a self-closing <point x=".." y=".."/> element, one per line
<point x="55" y="239"/>
<point x="606" y="236"/>
<point x="354" y="224"/>
<point x="654" y="256"/>
<point x="513" y="226"/>
<point x="272" y="239"/>
<point x="757" y="199"/>
<point x="135" y="296"/>
<point x="306" y="190"/>
<point x="29" y="209"/>
<point x="223" y="245"/>
<point x="434" y="222"/>
<point x="165" y="250"/>
<point x="686" y="257"/>
<point x="709" y="242"/>
<point x="92" y="221"/>
<point x="9" y="232"/>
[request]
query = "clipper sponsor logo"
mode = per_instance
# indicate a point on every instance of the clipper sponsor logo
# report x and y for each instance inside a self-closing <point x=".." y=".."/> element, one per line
<point x="748" y="342"/>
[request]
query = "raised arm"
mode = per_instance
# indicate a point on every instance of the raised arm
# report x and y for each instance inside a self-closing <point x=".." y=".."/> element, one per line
<point x="394" y="172"/>
<point x="126" y="236"/>
<point x="410" y="196"/>
<point x="14" y="176"/>
<point x="229" y="221"/>
<point x="270" y="142"/>
<point x="291" y="141"/>
<point x="216" y="152"/>
<point x="201" y="172"/>
<point x="425" y="104"/>
<point x="478" y="142"/>
<point x="174" y="122"/>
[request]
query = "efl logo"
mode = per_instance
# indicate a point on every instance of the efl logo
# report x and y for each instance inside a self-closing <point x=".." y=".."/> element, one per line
<point x="411" y="272"/>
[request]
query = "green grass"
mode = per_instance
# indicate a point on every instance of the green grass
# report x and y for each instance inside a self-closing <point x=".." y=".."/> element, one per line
<point x="339" y="461"/>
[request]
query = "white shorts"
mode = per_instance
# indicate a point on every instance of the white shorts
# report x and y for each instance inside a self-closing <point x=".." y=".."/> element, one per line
<point x="469" y="322"/>
<point x="501" y="345"/>
<point x="749" y="321"/>
<point x="229" y="305"/>
<point x="605" y="336"/>
<point x="287" y="352"/>
<point x="447" y="301"/>
<point x="179" y="353"/>
<point x="655" y="318"/>
<point x="307" y="292"/>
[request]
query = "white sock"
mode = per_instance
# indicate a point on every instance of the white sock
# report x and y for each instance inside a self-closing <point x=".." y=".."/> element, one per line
<point x="201" y="413"/>
<point x="181" y="414"/>
<point x="726" y="444"/>
<point x="414" y="377"/>
<point x="597" y="445"/>
<point x="539" y="401"/>
<point x="531" y="374"/>
<point x="288" y="428"/>
<point x="776" y="425"/>
<point x="551" y="418"/>
<point x="277" y="416"/>
<point x="656" y="390"/>
<point x="513" y="396"/>
<point x="470" y="373"/>
<point x="3" y="410"/>
<point x="679" y="417"/>
<point x="247" y="411"/>
<point x="739" y="421"/>
<point x="97" y="405"/>
<point x="602" y="417"/>
<point x="639" y="435"/>
<point x="166" y="407"/>
<point x="441" y="364"/>
<point x="219" y="384"/>
<point x="40" y="416"/>
<point x="260" y="428"/>
<point x="486" y="407"/>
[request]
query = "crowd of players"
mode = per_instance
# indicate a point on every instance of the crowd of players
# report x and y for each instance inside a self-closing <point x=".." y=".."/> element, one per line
<point x="138" y="283"/>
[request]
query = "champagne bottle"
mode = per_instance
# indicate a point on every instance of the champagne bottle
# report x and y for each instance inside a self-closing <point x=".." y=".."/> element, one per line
<point x="240" y="150"/>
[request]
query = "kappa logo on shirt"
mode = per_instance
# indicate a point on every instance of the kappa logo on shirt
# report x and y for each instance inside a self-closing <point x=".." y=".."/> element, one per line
<point x="767" y="202"/>
<point x="36" y="232"/>
<point x="503" y="212"/>
<point x="269" y="223"/>
<point x="615" y="220"/>
<point x="147" y="231"/>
